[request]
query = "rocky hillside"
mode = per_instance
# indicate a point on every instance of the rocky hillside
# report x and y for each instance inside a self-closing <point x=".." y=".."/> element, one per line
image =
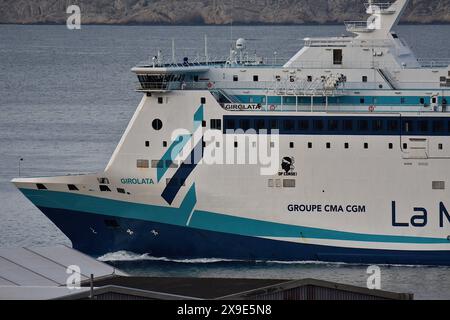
<point x="210" y="11"/>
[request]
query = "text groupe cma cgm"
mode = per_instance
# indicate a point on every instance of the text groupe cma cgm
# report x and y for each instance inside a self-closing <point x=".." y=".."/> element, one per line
<point x="312" y="208"/>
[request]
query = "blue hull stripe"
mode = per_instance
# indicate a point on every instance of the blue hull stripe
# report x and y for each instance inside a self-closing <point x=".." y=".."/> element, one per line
<point x="203" y="219"/>
<point x="90" y="234"/>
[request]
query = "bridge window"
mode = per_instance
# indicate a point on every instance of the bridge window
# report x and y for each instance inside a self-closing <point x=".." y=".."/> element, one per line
<point x="255" y="78"/>
<point x="366" y="145"/>
<point x="160" y="100"/>
<point x="328" y="145"/>
<point x="235" y="78"/>
<point x="291" y="145"/>
<point x="346" y="145"/>
<point x="440" y="146"/>
<point x="438" y="185"/>
<point x="244" y="124"/>
<point x="309" y="145"/>
<point x="364" y="78"/>
<point x="391" y="146"/>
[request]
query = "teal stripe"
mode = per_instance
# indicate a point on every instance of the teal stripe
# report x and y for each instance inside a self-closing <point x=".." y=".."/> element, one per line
<point x="204" y="219"/>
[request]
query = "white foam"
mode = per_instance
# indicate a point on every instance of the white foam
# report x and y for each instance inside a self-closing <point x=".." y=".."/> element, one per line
<point x="131" y="256"/>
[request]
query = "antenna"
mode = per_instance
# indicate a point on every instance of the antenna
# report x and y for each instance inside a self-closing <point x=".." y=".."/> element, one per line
<point x="20" y="161"/>
<point x="231" y="23"/>
<point x="206" y="49"/>
<point x="173" y="50"/>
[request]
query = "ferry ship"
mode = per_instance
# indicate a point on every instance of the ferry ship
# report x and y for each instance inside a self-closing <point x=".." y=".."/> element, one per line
<point x="357" y="131"/>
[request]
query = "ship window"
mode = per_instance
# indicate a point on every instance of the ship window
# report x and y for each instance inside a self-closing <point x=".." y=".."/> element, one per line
<point x="366" y="145"/>
<point x="202" y="100"/>
<point x="274" y="124"/>
<point x="244" y="124"/>
<point x="346" y="145"/>
<point x="328" y="145"/>
<point x="291" y="145"/>
<point x="408" y="126"/>
<point x="157" y="124"/>
<point x="141" y="163"/>
<point x="120" y="190"/>
<point x="229" y="124"/>
<point x="217" y="144"/>
<point x="171" y="164"/>
<point x="157" y="164"/>
<point x="438" y="185"/>
<point x="440" y="146"/>
<point x="348" y="125"/>
<point x="438" y="126"/>
<point x="363" y="125"/>
<point x="147" y="143"/>
<point x="216" y="124"/>
<point x="443" y="79"/>
<point x="377" y="125"/>
<point x="103" y="180"/>
<point x="72" y="187"/>
<point x="104" y="188"/>
<point x="318" y="124"/>
<point x="270" y="183"/>
<point x="402" y="100"/>
<point x="288" y="183"/>
<point x="289" y="125"/>
<point x="160" y="100"/>
<point x="364" y="78"/>
<point x="405" y="146"/>
<point x="272" y="144"/>
<point x="235" y="144"/>
<point x="309" y="78"/>
<point x="40" y="186"/>
<point x="423" y="125"/>
<point x="392" y="125"/>
<point x="260" y="124"/>
<point x="235" y="78"/>
<point x="309" y="145"/>
<point x="195" y="78"/>
<point x="255" y="78"/>
<point x="164" y="144"/>
<point x="337" y="56"/>
<point x="204" y="124"/>
<point x="362" y="100"/>
<point x="433" y="100"/>
<point x="422" y="101"/>
<point x="391" y="146"/>
<point x="303" y="125"/>
<point x="333" y="125"/>
<point x="111" y="223"/>
<point x="278" y="183"/>
<point x="277" y="78"/>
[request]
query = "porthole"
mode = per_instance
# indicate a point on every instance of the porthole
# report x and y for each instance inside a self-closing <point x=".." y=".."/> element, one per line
<point x="157" y="124"/>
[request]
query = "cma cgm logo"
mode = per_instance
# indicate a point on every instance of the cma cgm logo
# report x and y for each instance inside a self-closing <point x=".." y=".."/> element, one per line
<point x="420" y="217"/>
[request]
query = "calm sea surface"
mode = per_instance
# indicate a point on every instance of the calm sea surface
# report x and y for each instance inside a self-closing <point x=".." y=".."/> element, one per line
<point x="67" y="96"/>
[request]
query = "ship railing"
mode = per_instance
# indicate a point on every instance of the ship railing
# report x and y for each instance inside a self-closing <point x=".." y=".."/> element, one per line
<point x="380" y="7"/>
<point x="434" y="63"/>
